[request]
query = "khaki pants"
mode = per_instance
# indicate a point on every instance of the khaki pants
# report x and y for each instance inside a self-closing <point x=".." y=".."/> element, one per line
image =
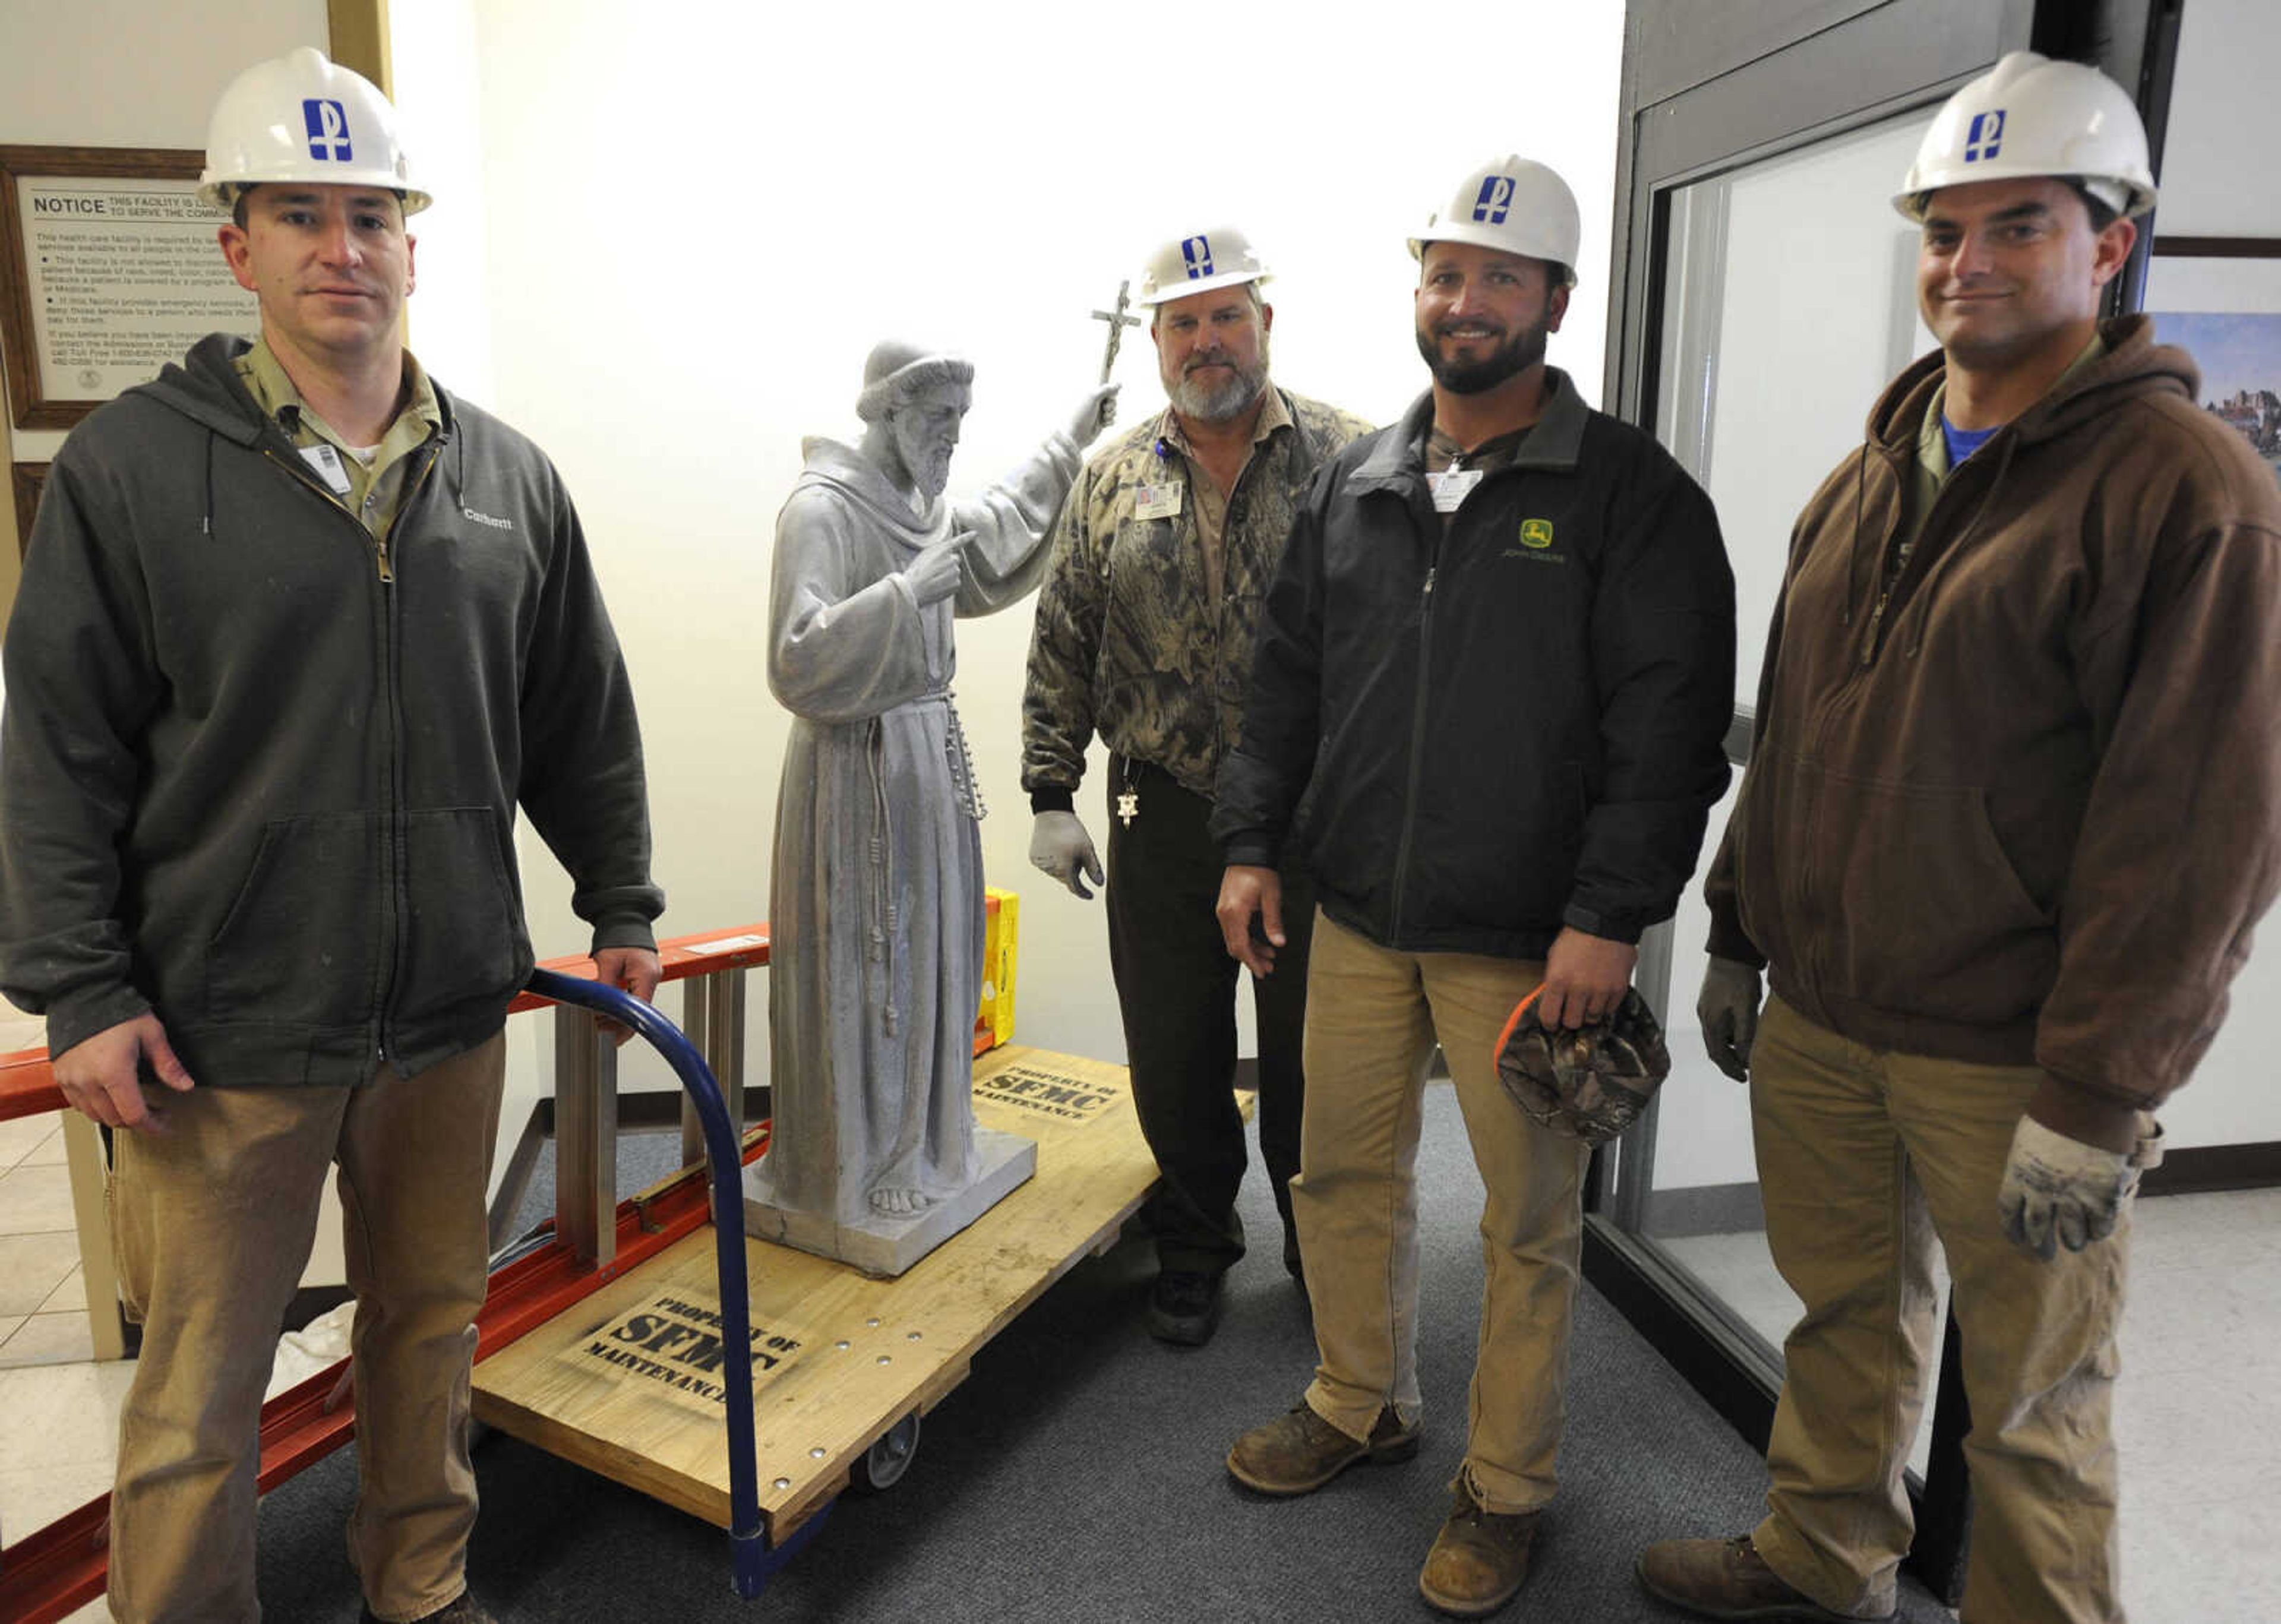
<point x="1372" y="1018"/>
<point x="1865" y="1157"/>
<point x="214" y="1221"/>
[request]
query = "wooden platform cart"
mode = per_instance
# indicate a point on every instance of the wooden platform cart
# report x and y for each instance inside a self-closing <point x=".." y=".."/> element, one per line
<point x="608" y="1343"/>
<point x="631" y="1383"/>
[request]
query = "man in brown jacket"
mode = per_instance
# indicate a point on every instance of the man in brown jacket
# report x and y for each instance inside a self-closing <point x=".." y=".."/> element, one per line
<point x="2010" y="815"/>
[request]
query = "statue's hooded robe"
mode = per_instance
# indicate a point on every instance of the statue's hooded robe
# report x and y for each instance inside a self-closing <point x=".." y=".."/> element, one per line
<point x="876" y="903"/>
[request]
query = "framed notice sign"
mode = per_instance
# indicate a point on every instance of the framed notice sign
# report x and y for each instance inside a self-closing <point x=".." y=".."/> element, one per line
<point x="108" y="271"/>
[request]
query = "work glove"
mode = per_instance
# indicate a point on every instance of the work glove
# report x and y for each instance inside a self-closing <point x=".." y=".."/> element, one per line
<point x="1728" y="1008"/>
<point x="1060" y="847"/>
<point x="2060" y="1192"/>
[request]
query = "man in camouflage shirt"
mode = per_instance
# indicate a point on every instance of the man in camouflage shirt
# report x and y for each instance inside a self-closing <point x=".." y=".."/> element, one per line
<point x="1144" y="632"/>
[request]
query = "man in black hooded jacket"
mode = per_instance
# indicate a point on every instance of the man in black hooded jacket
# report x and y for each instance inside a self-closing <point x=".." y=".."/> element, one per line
<point x="1492" y="680"/>
<point x="297" y="632"/>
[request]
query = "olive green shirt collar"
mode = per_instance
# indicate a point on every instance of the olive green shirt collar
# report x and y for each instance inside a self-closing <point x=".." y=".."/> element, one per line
<point x="375" y="491"/>
<point x="1932" y="445"/>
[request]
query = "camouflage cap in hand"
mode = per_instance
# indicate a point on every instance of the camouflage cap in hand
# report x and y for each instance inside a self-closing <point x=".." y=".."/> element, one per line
<point x="1590" y="1083"/>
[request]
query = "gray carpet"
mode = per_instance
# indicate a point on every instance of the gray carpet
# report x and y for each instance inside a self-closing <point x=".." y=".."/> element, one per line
<point x="1076" y="1477"/>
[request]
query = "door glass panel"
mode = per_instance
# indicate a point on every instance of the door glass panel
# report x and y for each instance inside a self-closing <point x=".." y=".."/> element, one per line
<point x="1789" y="301"/>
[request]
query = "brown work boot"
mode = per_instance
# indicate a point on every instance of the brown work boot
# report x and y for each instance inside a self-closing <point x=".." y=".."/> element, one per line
<point x="1728" y="1579"/>
<point x="1479" y="1558"/>
<point x="1298" y="1453"/>
<point x="465" y="1609"/>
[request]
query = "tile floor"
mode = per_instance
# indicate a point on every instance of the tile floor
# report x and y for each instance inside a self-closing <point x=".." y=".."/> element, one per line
<point x="2197" y="1410"/>
<point x="2199" y="1407"/>
<point x="59" y="1411"/>
<point x="42" y="1311"/>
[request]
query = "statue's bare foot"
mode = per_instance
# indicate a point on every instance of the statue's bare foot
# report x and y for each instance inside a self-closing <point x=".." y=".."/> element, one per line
<point x="898" y="1204"/>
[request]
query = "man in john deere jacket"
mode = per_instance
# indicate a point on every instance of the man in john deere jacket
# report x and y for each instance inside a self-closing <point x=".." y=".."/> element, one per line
<point x="1144" y="634"/>
<point x="2010" y="815"/>
<point x="296" y="631"/>
<point x="1486" y="711"/>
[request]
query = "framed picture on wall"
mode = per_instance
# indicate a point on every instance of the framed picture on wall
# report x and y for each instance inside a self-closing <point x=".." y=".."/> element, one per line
<point x="108" y="270"/>
<point x="2220" y="299"/>
<point x="27" y="479"/>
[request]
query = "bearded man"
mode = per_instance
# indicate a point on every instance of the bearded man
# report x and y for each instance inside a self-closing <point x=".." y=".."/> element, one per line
<point x="1486" y="710"/>
<point x="1143" y="638"/>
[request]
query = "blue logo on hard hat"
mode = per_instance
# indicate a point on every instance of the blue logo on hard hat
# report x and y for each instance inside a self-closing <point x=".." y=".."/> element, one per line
<point x="328" y="130"/>
<point x="1984" y="136"/>
<point x="1196" y="252"/>
<point x="1494" y="197"/>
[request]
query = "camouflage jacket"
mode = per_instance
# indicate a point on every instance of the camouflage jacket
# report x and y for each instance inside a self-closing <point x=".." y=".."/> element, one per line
<point x="1127" y="644"/>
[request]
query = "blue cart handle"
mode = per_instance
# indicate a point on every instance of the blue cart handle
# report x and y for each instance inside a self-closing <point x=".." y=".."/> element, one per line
<point x="748" y="1548"/>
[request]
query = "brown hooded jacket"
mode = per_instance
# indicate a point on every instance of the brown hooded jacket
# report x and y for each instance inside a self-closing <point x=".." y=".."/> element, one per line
<point x="2029" y="814"/>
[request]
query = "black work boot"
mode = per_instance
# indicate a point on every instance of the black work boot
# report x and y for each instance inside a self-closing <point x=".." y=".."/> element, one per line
<point x="1184" y="1307"/>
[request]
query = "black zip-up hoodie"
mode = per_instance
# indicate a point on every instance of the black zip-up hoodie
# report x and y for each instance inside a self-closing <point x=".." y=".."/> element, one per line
<point x="1473" y="738"/>
<point x="260" y="777"/>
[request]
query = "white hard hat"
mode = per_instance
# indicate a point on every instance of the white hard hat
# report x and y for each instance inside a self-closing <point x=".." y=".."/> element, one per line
<point x="2028" y="117"/>
<point x="1514" y="205"/>
<point x="301" y="118"/>
<point x="1220" y="258"/>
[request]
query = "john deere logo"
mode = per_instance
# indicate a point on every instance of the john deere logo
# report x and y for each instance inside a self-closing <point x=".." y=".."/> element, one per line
<point x="1536" y="532"/>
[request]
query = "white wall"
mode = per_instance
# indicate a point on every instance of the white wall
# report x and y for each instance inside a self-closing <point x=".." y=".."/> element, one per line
<point x="436" y="75"/>
<point x="700" y="217"/>
<point x="133" y="73"/>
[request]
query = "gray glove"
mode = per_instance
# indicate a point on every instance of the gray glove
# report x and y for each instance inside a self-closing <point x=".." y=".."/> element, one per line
<point x="1728" y="1008"/>
<point x="1060" y="847"/>
<point x="2060" y="1192"/>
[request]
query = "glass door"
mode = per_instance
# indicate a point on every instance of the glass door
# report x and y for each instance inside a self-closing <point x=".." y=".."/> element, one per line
<point x="1789" y="301"/>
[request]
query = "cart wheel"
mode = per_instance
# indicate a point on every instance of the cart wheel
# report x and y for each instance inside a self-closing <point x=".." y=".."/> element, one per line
<point x="881" y="1466"/>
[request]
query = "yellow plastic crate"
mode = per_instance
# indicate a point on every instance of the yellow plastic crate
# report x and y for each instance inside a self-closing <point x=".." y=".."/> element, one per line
<point x="1001" y="936"/>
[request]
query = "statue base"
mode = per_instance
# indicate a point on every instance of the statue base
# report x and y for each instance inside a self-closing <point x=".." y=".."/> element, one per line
<point x="885" y="1245"/>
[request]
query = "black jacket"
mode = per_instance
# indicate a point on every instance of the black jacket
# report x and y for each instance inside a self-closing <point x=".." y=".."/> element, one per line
<point x="1476" y="738"/>
<point x="249" y="783"/>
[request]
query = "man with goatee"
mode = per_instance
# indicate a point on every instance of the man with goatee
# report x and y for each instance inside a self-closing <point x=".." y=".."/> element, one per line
<point x="1485" y="716"/>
